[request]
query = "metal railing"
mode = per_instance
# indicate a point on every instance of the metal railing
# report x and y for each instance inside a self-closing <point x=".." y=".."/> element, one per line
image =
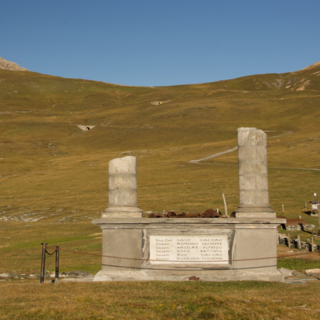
<point x="43" y="261"/>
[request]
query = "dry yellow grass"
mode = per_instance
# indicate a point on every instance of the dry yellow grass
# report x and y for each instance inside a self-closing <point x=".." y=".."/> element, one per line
<point x="159" y="300"/>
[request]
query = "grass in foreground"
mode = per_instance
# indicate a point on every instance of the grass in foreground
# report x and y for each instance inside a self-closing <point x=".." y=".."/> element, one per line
<point x="159" y="300"/>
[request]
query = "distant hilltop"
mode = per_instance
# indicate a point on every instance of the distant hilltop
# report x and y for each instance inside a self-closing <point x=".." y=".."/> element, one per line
<point x="317" y="64"/>
<point x="8" y="65"/>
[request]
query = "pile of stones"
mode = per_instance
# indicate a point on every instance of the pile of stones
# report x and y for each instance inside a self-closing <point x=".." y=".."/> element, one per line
<point x="295" y="277"/>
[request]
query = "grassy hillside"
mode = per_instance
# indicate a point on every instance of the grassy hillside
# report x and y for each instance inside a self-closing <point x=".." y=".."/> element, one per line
<point x="160" y="300"/>
<point x="54" y="176"/>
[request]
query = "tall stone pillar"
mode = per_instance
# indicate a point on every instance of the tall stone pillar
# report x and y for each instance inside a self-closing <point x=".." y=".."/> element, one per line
<point x="253" y="174"/>
<point x="123" y="189"/>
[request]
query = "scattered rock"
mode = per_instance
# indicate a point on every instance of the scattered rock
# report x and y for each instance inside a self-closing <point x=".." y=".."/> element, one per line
<point x="85" y="127"/>
<point x="78" y="273"/>
<point x="158" y="103"/>
<point x="315" y="271"/>
<point x="286" y="272"/>
<point x="126" y="152"/>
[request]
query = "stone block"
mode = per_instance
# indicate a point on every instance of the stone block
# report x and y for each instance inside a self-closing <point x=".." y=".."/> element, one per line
<point x="241" y="249"/>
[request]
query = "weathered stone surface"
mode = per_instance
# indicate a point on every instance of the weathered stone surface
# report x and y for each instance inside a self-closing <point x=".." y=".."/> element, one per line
<point x="310" y="271"/>
<point x="123" y="189"/>
<point x="253" y="174"/>
<point x="249" y="248"/>
<point x="8" y="65"/>
<point x="286" y="272"/>
<point x="4" y="275"/>
<point x="182" y="275"/>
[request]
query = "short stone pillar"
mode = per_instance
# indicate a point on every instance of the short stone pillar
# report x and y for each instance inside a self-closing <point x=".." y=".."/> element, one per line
<point x="122" y="189"/>
<point x="253" y="174"/>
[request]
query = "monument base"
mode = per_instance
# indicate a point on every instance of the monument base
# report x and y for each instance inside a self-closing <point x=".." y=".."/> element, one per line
<point x="183" y="275"/>
<point x="168" y="249"/>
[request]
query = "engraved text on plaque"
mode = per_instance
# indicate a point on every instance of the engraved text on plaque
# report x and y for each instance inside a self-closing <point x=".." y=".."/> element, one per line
<point x="190" y="249"/>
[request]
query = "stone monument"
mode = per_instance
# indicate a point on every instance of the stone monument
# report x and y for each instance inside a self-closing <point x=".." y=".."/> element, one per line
<point x="122" y="189"/>
<point x="211" y="249"/>
<point x="253" y="174"/>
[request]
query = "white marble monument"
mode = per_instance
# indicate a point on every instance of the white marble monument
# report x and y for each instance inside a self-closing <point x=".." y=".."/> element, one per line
<point x="253" y="174"/>
<point x="122" y="189"/>
<point x="211" y="249"/>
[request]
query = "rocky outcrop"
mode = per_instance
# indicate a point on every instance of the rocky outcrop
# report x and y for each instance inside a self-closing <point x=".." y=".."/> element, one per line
<point x="8" y="65"/>
<point x="317" y="64"/>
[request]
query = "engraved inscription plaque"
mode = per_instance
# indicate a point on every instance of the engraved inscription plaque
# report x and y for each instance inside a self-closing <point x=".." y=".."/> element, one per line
<point x="189" y="249"/>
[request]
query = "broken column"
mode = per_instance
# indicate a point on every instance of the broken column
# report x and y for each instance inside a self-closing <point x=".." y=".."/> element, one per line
<point x="253" y="174"/>
<point x="122" y="189"/>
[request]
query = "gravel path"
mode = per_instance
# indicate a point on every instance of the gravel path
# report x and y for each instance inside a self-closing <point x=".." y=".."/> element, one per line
<point x="214" y="155"/>
<point x="236" y="148"/>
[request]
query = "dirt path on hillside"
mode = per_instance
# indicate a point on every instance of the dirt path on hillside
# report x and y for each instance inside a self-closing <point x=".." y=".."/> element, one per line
<point x="235" y="149"/>
<point x="214" y="155"/>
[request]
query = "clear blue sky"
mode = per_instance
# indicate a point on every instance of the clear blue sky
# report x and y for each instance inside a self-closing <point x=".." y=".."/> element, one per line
<point x="157" y="43"/>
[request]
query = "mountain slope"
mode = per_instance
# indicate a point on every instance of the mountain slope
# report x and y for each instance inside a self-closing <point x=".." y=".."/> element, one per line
<point x="54" y="176"/>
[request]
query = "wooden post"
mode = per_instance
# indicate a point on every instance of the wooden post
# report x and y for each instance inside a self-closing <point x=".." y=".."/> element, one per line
<point x="299" y="242"/>
<point x="312" y="243"/>
<point x="225" y="206"/>
<point x="57" y="263"/>
<point x="43" y="262"/>
<point x="289" y="241"/>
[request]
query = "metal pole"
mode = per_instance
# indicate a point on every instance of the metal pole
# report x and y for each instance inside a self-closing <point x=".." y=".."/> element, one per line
<point x="43" y="262"/>
<point x="57" y="263"/>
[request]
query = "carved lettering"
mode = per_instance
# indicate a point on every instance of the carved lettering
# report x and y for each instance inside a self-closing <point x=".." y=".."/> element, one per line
<point x="190" y="249"/>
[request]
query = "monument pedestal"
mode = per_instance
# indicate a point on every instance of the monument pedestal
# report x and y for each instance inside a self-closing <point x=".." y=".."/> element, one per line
<point x="176" y="249"/>
<point x="211" y="249"/>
